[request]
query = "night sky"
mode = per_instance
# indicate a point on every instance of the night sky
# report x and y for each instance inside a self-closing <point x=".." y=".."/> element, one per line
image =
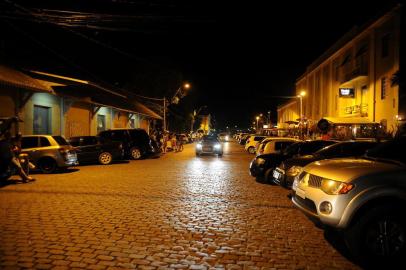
<point x="237" y="55"/>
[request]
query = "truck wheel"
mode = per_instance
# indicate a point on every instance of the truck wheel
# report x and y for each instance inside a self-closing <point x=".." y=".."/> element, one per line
<point x="135" y="153"/>
<point x="378" y="236"/>
<point x="105" y="158"/>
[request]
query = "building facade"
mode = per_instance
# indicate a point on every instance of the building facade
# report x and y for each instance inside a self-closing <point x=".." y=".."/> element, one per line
<point x="356" y="78"/>
<point x="65" y="106"/>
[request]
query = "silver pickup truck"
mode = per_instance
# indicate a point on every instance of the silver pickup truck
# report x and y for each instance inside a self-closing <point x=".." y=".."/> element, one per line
<point x="364" y="199"/>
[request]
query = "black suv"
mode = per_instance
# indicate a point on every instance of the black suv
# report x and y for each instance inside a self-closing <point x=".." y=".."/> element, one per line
<point x="136" y="142"/>
<point x="90" y="149"/>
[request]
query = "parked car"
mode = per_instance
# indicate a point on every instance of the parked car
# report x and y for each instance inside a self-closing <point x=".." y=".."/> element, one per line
<point x="285" y="173"/>
<point x="209" y="145"/>
<point x="49" y="153"/>
<point x="136" y="142"/>
<point x="263" y="165"/>
<point x="91" y="149"/>
<point x="251" y="142"/>
<point x="364" y="199"/>
<point x="276" y="145"/>
<point x="244" y="138"/>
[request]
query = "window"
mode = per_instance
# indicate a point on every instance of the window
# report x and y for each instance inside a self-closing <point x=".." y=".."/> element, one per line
<point x="60" y="140"/>
<point x="44" y="142"/>
<point x="88" y="141"/>
<point x="29" y="142"/>
<point x="42" y="120"/>
<point x="385" y="45"/>
<point x="383" y="88"/>
<point x="101" y="123"/>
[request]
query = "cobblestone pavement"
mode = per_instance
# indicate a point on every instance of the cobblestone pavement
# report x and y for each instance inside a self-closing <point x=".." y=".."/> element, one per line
<point x="176" y="212"/>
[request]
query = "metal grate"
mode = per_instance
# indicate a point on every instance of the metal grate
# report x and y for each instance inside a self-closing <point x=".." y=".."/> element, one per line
<point x="306" y="203"/>
<point x="315" y="181"/>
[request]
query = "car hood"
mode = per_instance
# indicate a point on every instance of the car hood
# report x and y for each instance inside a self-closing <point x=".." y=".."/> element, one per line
<point x="348" y="169"/>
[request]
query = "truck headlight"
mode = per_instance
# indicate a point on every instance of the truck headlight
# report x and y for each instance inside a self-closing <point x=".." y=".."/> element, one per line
<point x="260" y="161"/>
<point x="294" y="171"/>
<point x="226" y="138"/>
<point x="199" y="146"/>
<point x="333" y="187"/>
<point x="217" y="146"/>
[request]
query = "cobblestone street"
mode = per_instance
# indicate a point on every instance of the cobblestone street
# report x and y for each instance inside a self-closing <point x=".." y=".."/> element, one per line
<point x="176" y="212"/>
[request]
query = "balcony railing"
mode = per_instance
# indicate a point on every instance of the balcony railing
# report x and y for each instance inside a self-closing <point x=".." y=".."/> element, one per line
<point x="361" y="109"/>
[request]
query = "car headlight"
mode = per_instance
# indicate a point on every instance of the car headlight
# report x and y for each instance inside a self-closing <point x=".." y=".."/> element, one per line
<point x="226" y="138"/>
<point x="199" y="146"/>
<point x="217" y="146"/>
<point x="294" y="171"/>
<point x="260" y="161"/>
<point x="333" y="187"/>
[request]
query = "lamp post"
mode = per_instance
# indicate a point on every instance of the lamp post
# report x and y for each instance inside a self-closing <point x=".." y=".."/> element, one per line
<point x="174" y="100"/>
<point x="257" y="122"/>
<point x="300" y="96"/>
<point x="269" y="118"/>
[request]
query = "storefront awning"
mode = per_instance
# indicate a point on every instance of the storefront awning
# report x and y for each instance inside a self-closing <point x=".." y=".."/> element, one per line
<point x="349" y="120"/>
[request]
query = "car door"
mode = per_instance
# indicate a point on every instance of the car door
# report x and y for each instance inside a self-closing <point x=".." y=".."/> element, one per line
<point x="30" y="146"/>
<point x="90" y="149"/>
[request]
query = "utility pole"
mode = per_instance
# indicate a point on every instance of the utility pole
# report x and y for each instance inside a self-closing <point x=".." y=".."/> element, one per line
<point x="164" y="127"/>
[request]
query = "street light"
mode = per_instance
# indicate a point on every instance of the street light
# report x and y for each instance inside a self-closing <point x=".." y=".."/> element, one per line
<point x="300" y="96"/>
<point x="257" y="122"/>
<point x="175" y="99"/>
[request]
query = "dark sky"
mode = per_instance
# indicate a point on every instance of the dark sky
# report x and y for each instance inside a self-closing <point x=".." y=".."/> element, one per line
<point x="236" y="54"/>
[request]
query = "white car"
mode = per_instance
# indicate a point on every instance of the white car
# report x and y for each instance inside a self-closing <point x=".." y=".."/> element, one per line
<point x="277" y="145"/>
<point x="251" y="142"/>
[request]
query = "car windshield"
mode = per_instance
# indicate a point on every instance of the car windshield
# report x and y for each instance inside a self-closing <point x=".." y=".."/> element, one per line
<point x="60" y="140"/>
<point x="389" y="151"/>
<point x="209" y="139"/>
<point x="292" y="149"/>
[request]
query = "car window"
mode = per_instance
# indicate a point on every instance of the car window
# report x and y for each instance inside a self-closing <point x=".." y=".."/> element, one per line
<point x="44" y="142"/>
<point x="209" y="139"/>
<point x="88" y="141"/>
<point x="74" y="142"/>
<point x="60" y="140"/>
<point x="282" y="145"/>
<point x="293" y="148"/>
<point x="29" y="142"/>
<point x="389" y="150"/>
<point x="357" y="148"/>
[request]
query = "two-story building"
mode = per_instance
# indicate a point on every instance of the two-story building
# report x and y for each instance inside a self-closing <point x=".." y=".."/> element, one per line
<point x="357" y="78"/>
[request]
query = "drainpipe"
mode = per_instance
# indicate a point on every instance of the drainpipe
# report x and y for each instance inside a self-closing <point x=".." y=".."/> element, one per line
<point x="62" y="116"/>
<point x="375" y="81"/>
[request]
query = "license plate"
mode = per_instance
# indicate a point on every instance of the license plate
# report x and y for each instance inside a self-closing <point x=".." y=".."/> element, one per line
<point x="300" y="193"/>
<point x="276" y="174"/>
<point x="207" y="149"/>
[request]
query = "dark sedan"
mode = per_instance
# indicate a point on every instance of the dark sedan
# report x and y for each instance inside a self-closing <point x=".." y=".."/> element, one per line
<point x="92" y="149"/>
<point x="285" y="174"/>
<point x="209" y="145"/>
<point x="262" y="166"/>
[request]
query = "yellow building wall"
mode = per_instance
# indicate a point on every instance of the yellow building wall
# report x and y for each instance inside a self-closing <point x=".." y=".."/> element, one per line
<point x="77" y="120"/>
<point x="322" y="82"/>
<point x="120" y="119"/>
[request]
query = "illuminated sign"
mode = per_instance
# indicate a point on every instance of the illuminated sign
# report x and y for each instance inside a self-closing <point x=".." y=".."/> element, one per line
<point x="347" y="92"/>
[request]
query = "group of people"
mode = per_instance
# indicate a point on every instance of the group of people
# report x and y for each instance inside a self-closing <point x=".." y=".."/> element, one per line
<point x="167" y="141"/>
<point x="10" y="150"/>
